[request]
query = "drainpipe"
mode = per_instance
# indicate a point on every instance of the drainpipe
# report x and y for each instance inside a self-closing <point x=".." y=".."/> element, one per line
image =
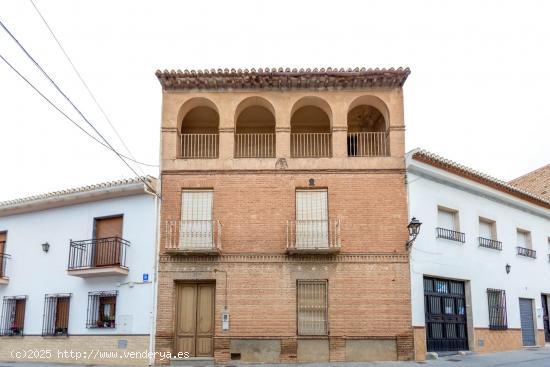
<point x="155" y="278"/>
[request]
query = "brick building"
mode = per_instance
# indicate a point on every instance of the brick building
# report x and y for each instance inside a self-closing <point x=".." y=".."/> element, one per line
<point x="284" y="216"/>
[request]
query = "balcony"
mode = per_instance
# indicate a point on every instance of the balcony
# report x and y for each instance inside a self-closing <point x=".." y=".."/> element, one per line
<point x="3" y="264"/>
<point x="254" y="145"/>
<point x="98" y="257"/>
<point x="488" y="243"/>
<point x="450" y="235"/>
<point x="199" y="146"/>
<point x="526" y="252"/>
<point x="193" y="237"/>
<point x="367" y="144"/>
<point x="310" y="145"/>
<point x="313" y="236"/>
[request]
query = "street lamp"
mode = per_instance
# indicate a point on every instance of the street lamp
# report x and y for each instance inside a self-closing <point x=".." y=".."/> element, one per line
<point x="508" y="267"/>
<point x="45" y="247"/>
<point x="414" y="229"/>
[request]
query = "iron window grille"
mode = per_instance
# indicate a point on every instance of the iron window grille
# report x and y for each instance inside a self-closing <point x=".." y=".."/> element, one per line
<point x="312" y="307"/>
<point x="13" y="316"/>
<point x="497" y="309"/>
<point x="56" y="314"/>
<point x="102" y="309"/>
<point x="451" y="235"/>
<point x="489" y="243"/>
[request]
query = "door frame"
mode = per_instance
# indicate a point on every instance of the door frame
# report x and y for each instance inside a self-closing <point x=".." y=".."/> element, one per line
<point x="175" y="311"/>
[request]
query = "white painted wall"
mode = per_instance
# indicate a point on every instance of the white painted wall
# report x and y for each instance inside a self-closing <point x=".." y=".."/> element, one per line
<point x="429" y="187"/>
<point x="35" y="273"/>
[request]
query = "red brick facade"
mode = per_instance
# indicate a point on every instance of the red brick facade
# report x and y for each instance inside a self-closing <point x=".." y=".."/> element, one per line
<point x="369" y="287"/>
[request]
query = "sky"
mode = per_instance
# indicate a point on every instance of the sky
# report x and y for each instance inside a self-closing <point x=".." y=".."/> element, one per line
<point x="477" y="93"/>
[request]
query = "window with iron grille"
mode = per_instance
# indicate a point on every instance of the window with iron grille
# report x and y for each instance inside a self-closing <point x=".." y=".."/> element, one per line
<point x="13" y="316"/>
<point x="102" y="309"/>
<point x="497" y="309"/>
<point x="56" y="315"/>
<point x="312" y="307"/>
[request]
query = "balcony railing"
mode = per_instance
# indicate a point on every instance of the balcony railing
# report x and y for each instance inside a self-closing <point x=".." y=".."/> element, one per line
<point x="98" y="253"/>
<point x="527" y="252"/>
<point x="254" y="145"/>
<point x="3" y="265"/>
<point x="367" y="144"/>
<point x="489" y="243"/>
<point x="450" y="235"/>
<point x="316" y="236"/>
<point x="193" y="236"/>
<point x="310" y="145"/>
<point x="203" y="146"/>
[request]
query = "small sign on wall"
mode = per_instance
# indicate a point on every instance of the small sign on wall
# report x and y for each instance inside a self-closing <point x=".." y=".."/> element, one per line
<point x="145" y="277"/>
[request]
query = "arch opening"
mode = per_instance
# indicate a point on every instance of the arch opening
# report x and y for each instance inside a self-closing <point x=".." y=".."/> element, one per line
<point x="255" y="132"/>
<point x="310" y="129"/>
<point x="199" y="133"/>
<point x="367" y="132"/>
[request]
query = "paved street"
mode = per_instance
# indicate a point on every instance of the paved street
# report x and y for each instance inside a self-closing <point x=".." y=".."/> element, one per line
<point x="536" y="357"/>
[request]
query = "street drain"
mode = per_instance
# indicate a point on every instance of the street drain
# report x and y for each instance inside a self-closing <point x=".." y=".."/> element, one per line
<point x="454" y="360"/>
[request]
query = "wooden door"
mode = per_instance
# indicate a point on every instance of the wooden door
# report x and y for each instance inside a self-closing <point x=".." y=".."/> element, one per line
<point x="108" y="231"/>
<point x="195" y="319"/>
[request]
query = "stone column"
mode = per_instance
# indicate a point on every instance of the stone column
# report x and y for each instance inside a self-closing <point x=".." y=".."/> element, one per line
<point x="282" y="142"/>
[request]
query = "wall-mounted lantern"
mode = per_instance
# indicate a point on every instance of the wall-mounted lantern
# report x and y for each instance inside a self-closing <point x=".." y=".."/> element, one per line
<point x="45" y="247"/>
<point x="414" y="229"/>
<point x="508" y="267"/>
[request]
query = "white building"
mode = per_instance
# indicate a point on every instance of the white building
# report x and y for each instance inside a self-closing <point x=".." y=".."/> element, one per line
<point x="480" y="265"/>
<point x="78" y="274"/>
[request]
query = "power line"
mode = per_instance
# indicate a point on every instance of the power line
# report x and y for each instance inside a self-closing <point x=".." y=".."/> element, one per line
<point x="63" y="113"/>
<point x="82" y="81"/>
<point x="76" y="108"/>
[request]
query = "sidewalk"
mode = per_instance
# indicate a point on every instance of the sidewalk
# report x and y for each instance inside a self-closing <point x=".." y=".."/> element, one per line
<point x="531" y="357"/>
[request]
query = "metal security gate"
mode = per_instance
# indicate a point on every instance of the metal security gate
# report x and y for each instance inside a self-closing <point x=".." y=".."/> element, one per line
<point x="527" y="322"/>
<point x="546" y="319"/>
<point x="445" y="313"/>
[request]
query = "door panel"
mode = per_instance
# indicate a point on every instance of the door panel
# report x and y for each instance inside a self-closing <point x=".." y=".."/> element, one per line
<point x="311" y="218"/>
<point x="107" y="248"/>
<point x="527" y="322"/>
<point x="195" y="319"/>
<point x="205" y="319"/>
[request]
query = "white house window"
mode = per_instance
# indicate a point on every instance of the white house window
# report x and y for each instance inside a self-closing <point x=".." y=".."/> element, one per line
<point x="487" y="229"/>
<point x="447" y="219"/>
<point x="311" y="218"/>
<point x="196" y="219"/>
<point x="524" y="238"/>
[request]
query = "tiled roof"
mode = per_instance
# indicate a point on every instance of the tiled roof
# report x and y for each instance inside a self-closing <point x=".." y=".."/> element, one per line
<point x="272" y="78"/>
<point x="537" y="182"/>
<point x="77" y="190"/>
<point x="448" y="165"/>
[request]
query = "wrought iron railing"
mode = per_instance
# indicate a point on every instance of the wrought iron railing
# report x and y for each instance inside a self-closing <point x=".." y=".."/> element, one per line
<point x="3" y="264"/>
<point x="193" y="235"/>
<point x="254" y="145"/>
<point x="313" y="234"/>
<point x="527" y="252"/>
<point x="96" y="253"/>
<point x="450" y="235"/>
<point x="489" y="243"/>
<point x="310" y="145"/>
<point x="368" y="144"/>
<point x="204" y="146"/>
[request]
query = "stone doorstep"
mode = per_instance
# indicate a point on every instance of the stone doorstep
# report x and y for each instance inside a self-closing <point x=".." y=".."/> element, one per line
<point x="193" y="362"/>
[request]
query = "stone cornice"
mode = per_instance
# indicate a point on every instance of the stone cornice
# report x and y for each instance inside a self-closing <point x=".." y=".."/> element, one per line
<point x="282" y="79"/>
<point x="283" y="171"/>
<point x="282" y="258"/>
